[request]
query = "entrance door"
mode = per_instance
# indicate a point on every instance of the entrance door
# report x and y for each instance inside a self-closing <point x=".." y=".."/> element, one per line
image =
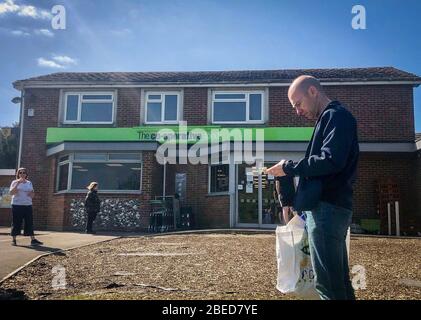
<point x="256" y="202"/>
<point x="271" y="210"/>
<point x="247" y="196"/>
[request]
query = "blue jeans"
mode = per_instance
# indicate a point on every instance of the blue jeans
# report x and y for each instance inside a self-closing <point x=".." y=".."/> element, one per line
<point x="327" y="226"/>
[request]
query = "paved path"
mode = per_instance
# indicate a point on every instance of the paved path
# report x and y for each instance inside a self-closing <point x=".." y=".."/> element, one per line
<point x="12" y="258"/>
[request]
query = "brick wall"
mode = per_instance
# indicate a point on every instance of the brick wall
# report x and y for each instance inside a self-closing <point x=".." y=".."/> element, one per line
<point x="195" y="106"/>
<point x="128" y="107"/>
<point x="373" y="167"/>
<point x="209" y="211"/>
<point x="216" y="213"/>
<point x="384" y="113"/>
<point x="45" y="103"/>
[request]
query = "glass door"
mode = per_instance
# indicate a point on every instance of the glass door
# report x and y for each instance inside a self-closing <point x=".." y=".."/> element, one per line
<point x="271" y="210"/>
<point x="257" y="203"/>
<point x="247" y="196"/>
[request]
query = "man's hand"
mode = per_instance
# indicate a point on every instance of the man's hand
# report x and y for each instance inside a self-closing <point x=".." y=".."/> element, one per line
<point x="277" y="170"/>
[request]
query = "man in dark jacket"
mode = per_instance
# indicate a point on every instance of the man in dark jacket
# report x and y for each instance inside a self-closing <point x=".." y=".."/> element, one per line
<point x="327" y="173"/>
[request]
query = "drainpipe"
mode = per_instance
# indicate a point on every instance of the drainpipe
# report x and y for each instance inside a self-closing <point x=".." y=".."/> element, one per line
<point x="165" y="175"/>
<point x="22" y="105"/>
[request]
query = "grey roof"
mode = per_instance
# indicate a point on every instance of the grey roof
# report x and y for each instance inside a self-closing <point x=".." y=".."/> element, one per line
<point x="215" y="77"/>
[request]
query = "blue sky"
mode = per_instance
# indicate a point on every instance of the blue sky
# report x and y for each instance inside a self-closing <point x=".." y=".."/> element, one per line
<point x="198" y="35"/>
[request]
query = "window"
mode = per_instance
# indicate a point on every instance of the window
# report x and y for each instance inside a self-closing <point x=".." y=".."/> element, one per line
<point x="5" y="198"/>
<point x="63" y="173"/>
<point x="237" y="107"/>
<point x="219" y="178"/>
<point x="113" y="171"/>
<point x="89" y="107"/>
<point x="162" y="107"/>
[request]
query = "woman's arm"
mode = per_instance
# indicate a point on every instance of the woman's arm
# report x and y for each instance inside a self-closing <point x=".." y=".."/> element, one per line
<point x="14" y="187"/>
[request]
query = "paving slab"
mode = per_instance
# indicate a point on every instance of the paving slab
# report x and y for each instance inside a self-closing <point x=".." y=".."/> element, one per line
<point x="14" y="257"/>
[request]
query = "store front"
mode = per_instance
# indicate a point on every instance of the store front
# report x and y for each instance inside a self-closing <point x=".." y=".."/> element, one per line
<point x="237" y="191"/>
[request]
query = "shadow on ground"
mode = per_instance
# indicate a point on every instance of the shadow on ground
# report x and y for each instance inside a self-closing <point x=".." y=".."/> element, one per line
<point x="45" y="249"/>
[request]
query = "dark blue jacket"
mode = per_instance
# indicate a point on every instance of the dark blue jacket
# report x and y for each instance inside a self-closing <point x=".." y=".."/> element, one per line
<point x="328" y="169"/>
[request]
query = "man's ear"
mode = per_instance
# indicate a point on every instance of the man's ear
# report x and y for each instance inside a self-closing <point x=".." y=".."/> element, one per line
<point x="312" y="91"/>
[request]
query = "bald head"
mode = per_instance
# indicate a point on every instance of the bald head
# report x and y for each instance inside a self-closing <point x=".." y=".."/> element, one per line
<point x="307" y="96"/>
<point x="303" y="84"/>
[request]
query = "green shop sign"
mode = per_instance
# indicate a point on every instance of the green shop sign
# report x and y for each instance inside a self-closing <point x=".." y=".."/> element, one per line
<point x="179" y="134"/>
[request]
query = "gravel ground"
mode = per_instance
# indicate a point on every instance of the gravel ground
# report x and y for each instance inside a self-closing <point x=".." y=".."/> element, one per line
<point x="205" y="266"/>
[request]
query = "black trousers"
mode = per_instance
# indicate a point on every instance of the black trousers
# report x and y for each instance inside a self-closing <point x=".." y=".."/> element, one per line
<point x="91" y="218"/>
<point x="22" y="214"/>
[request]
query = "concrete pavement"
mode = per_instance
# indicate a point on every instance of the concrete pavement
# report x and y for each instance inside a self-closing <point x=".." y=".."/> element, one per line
<point x="12" y="258"/>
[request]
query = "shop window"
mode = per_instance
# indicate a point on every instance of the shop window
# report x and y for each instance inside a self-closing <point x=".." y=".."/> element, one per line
<point x="113" y="172"/>
<point x="219" y="178"/>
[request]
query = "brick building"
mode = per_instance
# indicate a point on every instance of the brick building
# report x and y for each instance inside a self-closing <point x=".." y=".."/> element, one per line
<point x="82" y="127"/>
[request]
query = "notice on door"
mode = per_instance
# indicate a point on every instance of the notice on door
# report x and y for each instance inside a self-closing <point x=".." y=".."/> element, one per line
<point x="249" y="187"/>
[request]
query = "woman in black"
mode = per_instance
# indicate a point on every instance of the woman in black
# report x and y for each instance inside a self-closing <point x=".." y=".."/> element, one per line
<point x="92" y="205"/>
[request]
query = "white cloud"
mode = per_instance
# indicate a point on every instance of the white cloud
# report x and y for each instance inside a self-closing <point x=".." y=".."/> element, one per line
<point x="57" y="62"/>
<point x="65" y="60"/>
<point x="44" y="32"/>
<point x="20" y="33"/>
<point x="9" y="6"/>
<point x="49" y="63"/>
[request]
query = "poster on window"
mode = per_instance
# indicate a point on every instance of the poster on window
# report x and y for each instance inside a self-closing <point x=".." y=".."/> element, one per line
<point x="249" y="187"/>
<point x="5" y="198"/>
<point x="180" y="186"/>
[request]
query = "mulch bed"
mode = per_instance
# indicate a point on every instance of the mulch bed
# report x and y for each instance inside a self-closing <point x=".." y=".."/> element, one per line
<point x="205" y="266"/>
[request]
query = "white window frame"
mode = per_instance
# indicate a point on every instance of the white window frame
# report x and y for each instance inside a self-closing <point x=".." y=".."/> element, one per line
<point x="246" y="100"/>
<point x="72" y="160"/>
<point x="162" y="101"/>
<point x="80" y="101"/>
<point x="210" y="177"/>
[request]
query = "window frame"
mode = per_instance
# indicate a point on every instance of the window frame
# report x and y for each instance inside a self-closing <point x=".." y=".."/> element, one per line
<point x="247" y="94"/>
<point x="62" y="163"/>
<point x="210" y="179"/>
<point x="162" y="101"/>
<point x="80" y="95"/>
<point x="71" y="161"/>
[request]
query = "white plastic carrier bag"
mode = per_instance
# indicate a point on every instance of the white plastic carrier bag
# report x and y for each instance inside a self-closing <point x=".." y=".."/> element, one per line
<point x="295" y="271"/>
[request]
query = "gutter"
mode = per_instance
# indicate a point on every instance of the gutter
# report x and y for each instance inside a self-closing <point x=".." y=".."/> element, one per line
<point x="20" y="85"/>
